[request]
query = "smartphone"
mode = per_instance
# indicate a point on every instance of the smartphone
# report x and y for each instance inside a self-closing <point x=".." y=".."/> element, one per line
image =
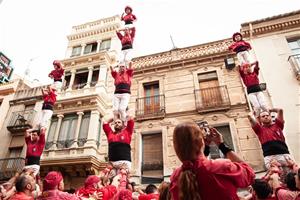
<point x="204" y="125"/>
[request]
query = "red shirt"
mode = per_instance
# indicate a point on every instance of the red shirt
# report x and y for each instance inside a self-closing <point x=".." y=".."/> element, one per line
<point x="21" y="196"/>
<point x="107" y="192"/>
<point x="239" y="46"/>
<point x="251" y="78"/>
<point x="128" y="37"/>
<point x="50" y="98"/>
<point x="124" y="136"/>
<point x="284" y="194"/>
<point x="57" y="195"/>
<point x="35" y="148"/>
<point x="217" y="179"/>
<point x="128" y="18"/>
<point x="149" y="197"/>
<point x="270" y="133"/>
<point x="124" y="77"/>
<point x="57" y="73"/>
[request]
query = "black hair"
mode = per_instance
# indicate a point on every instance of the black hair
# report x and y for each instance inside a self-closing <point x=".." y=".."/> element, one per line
<point x="261" y="188"/>
<point x="21" y="183"/>
<point x="290" y="181"/>
<point x="150" y="189"/>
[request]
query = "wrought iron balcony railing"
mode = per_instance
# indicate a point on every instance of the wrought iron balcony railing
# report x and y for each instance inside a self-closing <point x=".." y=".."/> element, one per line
<point x="150" y="107"/>
<point x="21" y="120"/>
<point x="212" y="99"/>
<point x="9" y="166"/>
<point x="295" y="63"/>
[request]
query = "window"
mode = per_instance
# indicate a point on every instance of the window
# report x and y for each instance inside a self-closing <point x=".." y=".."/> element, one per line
<point x="213" y="148"/>
<point x="294" y="59"/>
<point x="80" y="78"/>
<point x="294" y="46"/>
<point x="67" y="131"/>
<point x="84" y="128"/>
<point x="90" y="48"/>
<point x="51" y="133"/>
<point x="105" y="45"/>
<point x="209" y="89"/>
<point x="76" y="51"/>
<point x="152" y="158"/>
<point x="14" y="153"/>
<point x="152" y="99"/>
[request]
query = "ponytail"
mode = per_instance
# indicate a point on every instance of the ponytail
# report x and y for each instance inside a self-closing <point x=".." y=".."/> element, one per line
<point x="188" y="186"/>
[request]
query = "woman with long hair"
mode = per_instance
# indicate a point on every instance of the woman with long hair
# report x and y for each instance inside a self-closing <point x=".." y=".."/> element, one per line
<point x="200" y="178"/>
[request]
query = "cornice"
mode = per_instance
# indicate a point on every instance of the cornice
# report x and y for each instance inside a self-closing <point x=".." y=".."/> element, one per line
<point x="181" y="54"/>
<point x="272" y="24"/>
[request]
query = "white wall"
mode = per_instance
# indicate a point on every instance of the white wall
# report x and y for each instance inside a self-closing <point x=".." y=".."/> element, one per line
<point x="272" y="52"/>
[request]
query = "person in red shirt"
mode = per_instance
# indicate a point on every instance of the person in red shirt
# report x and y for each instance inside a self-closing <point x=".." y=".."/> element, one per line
<point x="272" y="138"/>
<point x="122" y="81"/>
<point x="25" y="185"/>
<point x="35" y="141"/>
<point x="249" y="75"/>
<point x="151" y="193"/>
<point x="283" y="193"/>
<point x="126" y="39"/>
<point x="201" y="178"/>
<point x="57" y="74"/>
<point x="241" y="48"/>
<point x="53" y="187"/>
<point x="119" y="150"/>
<point x="128" y="17"/>
<point x="49" y="97"/>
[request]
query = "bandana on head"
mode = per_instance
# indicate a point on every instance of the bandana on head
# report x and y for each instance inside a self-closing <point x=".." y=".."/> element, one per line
<point x="91" y="180"/>
<point x="52" y="180"/>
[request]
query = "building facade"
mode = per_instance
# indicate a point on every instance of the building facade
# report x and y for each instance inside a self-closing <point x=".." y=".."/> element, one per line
<point x="276" y="44"/>
<point x="74" y="142"/>
<point x="183" y="84"/>
<point x="14" y="118"/>
<point x="187" y="84"/>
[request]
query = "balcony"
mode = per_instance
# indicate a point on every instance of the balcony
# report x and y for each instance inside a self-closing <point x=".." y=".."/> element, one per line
<point x="20" y="121"/>
<point x="150" y="107"/>
<point x="9" y="166"/>
<point x="212" y="99"/>
<point x="295" y="63"/>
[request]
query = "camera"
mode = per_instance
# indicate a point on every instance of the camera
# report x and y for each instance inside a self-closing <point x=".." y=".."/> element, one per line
<point x="204" y="125"/>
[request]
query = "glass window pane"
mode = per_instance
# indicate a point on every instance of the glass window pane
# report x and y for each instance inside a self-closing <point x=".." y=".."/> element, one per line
<point x="294" y="45"/>
<point x="51" y="131"/>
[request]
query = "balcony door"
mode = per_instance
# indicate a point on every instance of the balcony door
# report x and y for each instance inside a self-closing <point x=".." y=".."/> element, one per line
<point x="152" y="100"/>
<point x="209" y="89"/>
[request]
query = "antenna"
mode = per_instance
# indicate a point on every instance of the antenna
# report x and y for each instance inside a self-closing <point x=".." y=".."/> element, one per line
<point x="174" y="47"/>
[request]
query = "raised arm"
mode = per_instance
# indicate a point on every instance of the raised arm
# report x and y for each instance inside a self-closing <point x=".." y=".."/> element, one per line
<point x="279" y="112"/>
<point x="252" y="119"/>
<point x="217" y="138"/>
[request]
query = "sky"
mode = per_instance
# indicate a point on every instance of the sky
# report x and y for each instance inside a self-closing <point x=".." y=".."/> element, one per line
<point x="33" y="32"/>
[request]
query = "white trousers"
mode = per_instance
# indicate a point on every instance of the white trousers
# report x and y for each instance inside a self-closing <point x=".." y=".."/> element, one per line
<point x="35" y="168"/>
<point x="244" y="57"/>
<point x="120" y="103"/>
<point x="57" y="85"/>
<point x="257" y="100"/>
<point x="45" y="117"/>
<point x="122" y="164"/>
<point x="125" y="57"/>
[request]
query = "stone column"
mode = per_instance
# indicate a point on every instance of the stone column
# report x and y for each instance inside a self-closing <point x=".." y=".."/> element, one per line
<point x="98" y="45"/>
<point x="73" y="73"/>
<point x="93" y="129"/>
<point x="56" y="134"/>
<point x="82" y="49"/>
<point x="80" y="114"/>
<point x="88" y="83"/>
<point x="102" y="75"/>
